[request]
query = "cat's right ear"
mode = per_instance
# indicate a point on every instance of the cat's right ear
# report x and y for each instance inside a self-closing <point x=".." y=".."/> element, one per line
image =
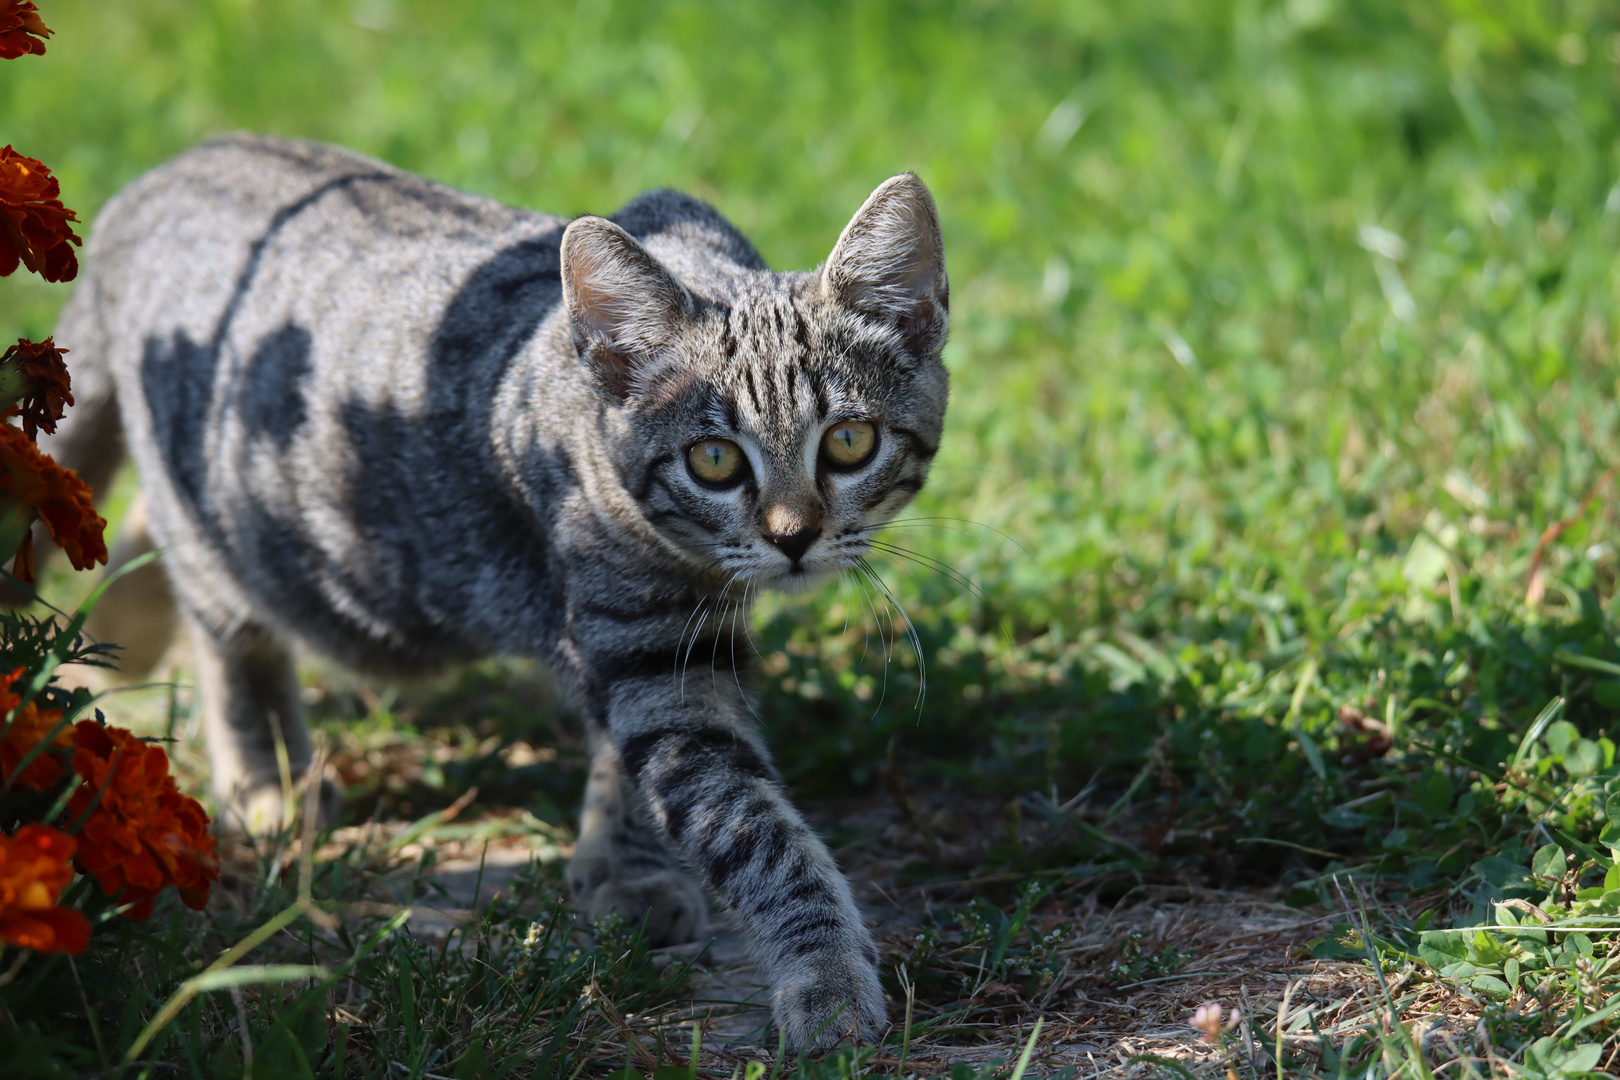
<point x="889" y="264"/>
<point x="625" y="309"/>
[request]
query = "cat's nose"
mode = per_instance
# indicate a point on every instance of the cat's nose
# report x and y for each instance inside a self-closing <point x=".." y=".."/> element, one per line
<point x="795" y="543"/>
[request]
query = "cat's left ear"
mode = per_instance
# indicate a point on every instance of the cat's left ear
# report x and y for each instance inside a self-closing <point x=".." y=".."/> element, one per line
<point x="889" y="264"/>
<point x="625" y="308"/>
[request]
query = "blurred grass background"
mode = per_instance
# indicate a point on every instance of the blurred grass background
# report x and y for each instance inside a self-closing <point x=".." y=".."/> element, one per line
<point x="1281" y="330"/>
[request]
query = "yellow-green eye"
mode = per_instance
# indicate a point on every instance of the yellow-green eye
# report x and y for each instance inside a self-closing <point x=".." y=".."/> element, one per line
<point x="849" y="443"/>
<point x="715" y="461"/>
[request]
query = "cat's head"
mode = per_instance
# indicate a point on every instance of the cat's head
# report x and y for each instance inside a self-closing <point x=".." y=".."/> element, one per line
<point x="767" y="423"/>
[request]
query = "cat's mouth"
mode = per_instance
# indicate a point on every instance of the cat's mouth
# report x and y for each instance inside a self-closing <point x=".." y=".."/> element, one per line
<point x="800" y="578"/>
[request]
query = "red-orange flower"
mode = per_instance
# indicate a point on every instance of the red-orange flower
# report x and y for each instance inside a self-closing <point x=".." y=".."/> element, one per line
<point x="34" y="225"/>
<point x="21" y="30"/>
<point x="141" y="834"/>
<point x="62" y="500"/>
<point x="30" y="727"/>
<point x="33" y="374"/>
<point x="33" y="872"/>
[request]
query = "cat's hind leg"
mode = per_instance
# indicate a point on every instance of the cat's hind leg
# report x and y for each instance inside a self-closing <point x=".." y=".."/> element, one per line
<point x="623" y="862"/>
<point x="137" y="612"/>
<point x="252" y="716"/>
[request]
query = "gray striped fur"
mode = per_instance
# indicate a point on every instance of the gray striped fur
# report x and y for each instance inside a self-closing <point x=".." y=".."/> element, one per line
<point x="404" y="426"/>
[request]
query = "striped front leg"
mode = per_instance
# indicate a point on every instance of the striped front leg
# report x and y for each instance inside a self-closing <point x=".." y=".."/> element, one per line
<point x="708" y="783"/>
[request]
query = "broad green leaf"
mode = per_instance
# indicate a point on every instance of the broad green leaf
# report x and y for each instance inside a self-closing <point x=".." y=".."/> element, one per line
<point x="1611" y="808"/>
<point x="1434" y="795"/>
<point x="1486" y="948"/>
<point x="1441" y="947"/>
<point x="1561" y="736"/>
<point x="1491" y="987"/>
<point x="1510" y="970"/>
<point x="1528" y="934"/>
<point x="1584" y="758"/>
<point x="1333" y="947"/>
<point x="1502" y="872"/>
<point x="1549" y="861"/>
<point x="1547" y="1058"/>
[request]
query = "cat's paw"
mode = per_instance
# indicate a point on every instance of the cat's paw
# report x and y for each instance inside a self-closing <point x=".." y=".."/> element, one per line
<point x="264" y="809"/>
<point x="669" y="905"/>
<point x="830" y="1000"/>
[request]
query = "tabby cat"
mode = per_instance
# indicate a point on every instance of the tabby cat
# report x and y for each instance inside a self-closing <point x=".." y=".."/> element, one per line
<point x="404" y="426"/>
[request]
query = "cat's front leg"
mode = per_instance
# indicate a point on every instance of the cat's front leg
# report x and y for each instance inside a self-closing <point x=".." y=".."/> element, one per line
<point x="709" y="785"/>
<point x="623" y="863"/>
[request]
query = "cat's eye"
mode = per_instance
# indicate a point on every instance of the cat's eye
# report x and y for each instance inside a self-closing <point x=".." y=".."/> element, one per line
<point x="716" y="461"/>
<point x="849" y="443"/>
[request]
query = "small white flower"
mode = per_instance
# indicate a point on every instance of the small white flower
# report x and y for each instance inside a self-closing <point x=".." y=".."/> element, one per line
<point x="1208" y="1021"/>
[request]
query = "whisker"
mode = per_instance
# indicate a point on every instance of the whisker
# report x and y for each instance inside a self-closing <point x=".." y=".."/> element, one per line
<point x="911" y="631"/>
<point x="736" y="678"/>
<point x="883" y="690"/>
<point x="748" y="633"/>
<point x="874" y="529"/>
<point x="959" y="521"/>
<point x="843" y="577"/>
<point x="931" y="563"/>
<point x="714" y="653"/>
<point x="681" y="674"/>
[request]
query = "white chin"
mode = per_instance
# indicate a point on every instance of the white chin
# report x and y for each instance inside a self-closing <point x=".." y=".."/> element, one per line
<point x="800" y="580"/>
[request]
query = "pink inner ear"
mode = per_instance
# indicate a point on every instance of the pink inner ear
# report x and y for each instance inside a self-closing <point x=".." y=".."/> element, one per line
<point x="613" y="369"/>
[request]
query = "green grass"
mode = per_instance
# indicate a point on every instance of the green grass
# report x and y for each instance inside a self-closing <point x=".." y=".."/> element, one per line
<point x="1281" y="332"/>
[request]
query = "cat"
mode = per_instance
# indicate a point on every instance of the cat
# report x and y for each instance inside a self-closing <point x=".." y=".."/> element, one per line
<point x="404" y="426"/>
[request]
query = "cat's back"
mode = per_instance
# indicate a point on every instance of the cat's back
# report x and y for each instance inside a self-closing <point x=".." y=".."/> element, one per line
<point x="306" y="344"/>
<point x="245" y="222"/>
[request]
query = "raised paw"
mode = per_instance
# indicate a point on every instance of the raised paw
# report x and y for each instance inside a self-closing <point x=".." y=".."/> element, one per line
<point x="668" y="904"/>
<point x="830" y="1000"/>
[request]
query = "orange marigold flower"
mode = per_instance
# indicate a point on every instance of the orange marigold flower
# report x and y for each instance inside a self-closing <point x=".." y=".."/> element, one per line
<point x="31" y="479"/>
<point x="30" y="727"/>
<point x="33" y="872"/>
<point x="34" y="225"/>
<point x="141" y="833"/>
<point x="34" y="377"/>
<point x="21" y="30"/>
